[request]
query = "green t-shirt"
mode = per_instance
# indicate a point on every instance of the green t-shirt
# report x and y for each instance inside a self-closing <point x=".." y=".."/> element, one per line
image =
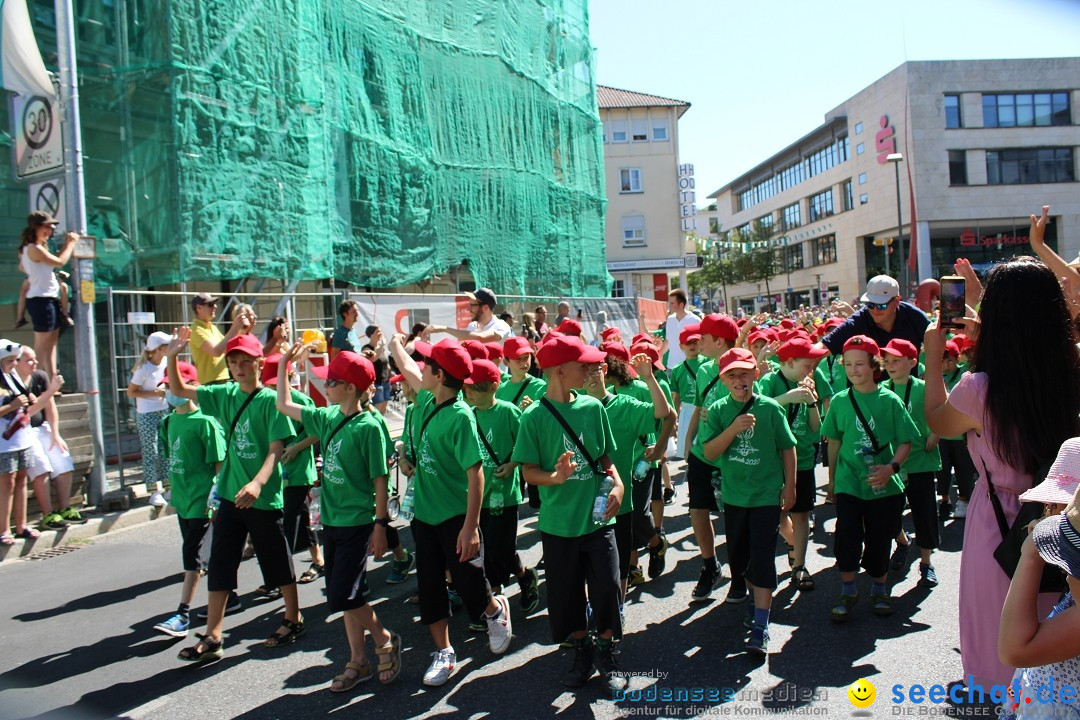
<point x="406" y="434"/>
<point x="194" y="444"/>
<point x="499" y="426"/>
<point x="822" y="384"/>
<point x="891" y="426"/>
<point x="710" y="389"/>
<point x="259" y="425"/>
<point x="388" y="440"/>
<point x="797" y="416"/>
<point x="837" y="375"/>
<point x="683" y="379"/>
<point x="566" y="510"/>
<point x="751" y="469"/>
<point x="301" y="471"/>
<point x="531" y="387"/>
<point x="353" y="457"/>
<point x="913" y="395"/>
<point x="632" y="423"/>
<point x="637" y="389"/>
<point x="445" y="451"/>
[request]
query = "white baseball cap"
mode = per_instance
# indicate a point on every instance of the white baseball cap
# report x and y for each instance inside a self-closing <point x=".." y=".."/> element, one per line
<point x="881" y="289"/>
<point x="9" y="349"/>
<point x="157" y="339"/>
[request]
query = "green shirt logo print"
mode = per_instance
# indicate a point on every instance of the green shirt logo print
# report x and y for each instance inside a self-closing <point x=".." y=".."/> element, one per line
<point x="583" y="472"/>
<point x="241" y="443"/>
<point x="331" y="466"/>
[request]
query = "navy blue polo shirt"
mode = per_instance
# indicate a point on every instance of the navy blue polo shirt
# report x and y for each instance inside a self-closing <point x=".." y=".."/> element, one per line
<point x="910" y="325"/>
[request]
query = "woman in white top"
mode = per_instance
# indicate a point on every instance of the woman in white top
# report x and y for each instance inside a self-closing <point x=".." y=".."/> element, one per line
<point x="148" y="389"/>
<point x="43" y="296"/>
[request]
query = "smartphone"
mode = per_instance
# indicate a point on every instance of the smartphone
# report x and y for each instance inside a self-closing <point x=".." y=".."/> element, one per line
<point x="953" y="292"/>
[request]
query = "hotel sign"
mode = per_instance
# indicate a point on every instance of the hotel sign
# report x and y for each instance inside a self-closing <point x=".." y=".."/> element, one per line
<point x="687" y="198"/>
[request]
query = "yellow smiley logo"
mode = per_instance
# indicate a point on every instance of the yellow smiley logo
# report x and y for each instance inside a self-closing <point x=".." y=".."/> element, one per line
<point x="862" y="693"/>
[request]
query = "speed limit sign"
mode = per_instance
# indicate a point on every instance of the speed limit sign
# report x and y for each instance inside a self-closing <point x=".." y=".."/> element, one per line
<point x="39" y="146"/>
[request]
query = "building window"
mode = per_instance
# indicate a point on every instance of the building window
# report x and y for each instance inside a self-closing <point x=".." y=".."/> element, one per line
<point x="794" y="259"/>
<point x="849" y="196"/>
<point x="633" y="231"/>
<point x="639" y="129"/>
<point x="1026" y="109"/>
<point x="630" y="180"/>
<point x="659" y="129"/>
<point x="714" y="226"/>
<point x="858" y="128"/>
<point x="821" y="205"/>
<point x="791" y="175"/>
<point x="952" y="112"/>
<point x="765" y="222"/>
<point x="859" y="149"/>
<point x="618" y="131"/>
<point x="1029" y="165"/>
<point x="862" y="178"/>
<point x="618" y="289"/>
<point x="792" y="217"/>
<point x="823" y="250"/>
<point x="863" y="199"/>
<point x="743" y="232"/>
<point x="957" y="167"/>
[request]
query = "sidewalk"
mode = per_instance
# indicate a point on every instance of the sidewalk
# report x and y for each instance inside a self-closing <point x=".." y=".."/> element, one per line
<point x="101" y="520"/>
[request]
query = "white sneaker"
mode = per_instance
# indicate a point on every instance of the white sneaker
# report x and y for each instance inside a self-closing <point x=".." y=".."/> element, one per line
<point x="499" y="627"/>
<point x="961" y="509"/>
<point x="441" y="668"/>
<point x="158" y="500"/>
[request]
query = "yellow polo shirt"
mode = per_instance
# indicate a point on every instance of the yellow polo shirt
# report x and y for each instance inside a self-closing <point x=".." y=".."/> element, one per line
<point x="208" y="367"/>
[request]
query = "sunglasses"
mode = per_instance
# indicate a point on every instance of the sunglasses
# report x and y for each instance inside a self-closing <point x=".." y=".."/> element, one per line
<point x="877" y="306"/>
<point x="330" y="382"/>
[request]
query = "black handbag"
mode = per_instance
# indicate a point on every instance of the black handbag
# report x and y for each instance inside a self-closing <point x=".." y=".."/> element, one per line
<point x="1007" y="553"/>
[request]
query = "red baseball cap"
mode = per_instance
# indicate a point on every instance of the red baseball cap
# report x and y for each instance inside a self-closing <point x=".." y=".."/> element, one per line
<point x="515" y="347"/>
<point x="800" y="347"/>
<point x="643" y="338"/>
<point x="483" y="371"/>
<point x="787" y="323"/>
<point x="757" y="335"/>
<point x="247" y="344"/>
<point x="962" y="341"/>
<point x="494" y="351"/>
<point x="270" y="368"/>
<point x="348" y="367"/>
<point x="610" y="333"/>
<point x="188" y="373"/>
<point x="449" y="355"/>
<point x="952" y="348"/>
<point x="690" y="333"/>
<point x="862" y="342"/>
<point x="901" y="348"/>
<point x="650" y="350"/>
<point x="563" y="349"/>
<point x="737" y="359"/>
<point x="400" y="377"/>
<point x="475" y="348"/>
<point x="616" y="350"/>
<point x="719" y="326"/>
<point x="570" y="326"/>
<point x="552" y="334"/>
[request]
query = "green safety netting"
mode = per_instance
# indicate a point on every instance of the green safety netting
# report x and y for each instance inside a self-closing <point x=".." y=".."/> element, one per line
<point x="376" y="142"/>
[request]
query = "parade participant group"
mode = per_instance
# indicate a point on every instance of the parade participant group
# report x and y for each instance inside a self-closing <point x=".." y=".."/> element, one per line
<point x="886" y="396"/>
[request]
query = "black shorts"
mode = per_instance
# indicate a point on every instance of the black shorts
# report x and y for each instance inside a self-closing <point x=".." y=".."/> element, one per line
<point x="656" y="478"/>
<point x="751" y="542"/>
<point x="295" y="517"/>
<point x="44" y="313"/>
<point x="501" y="559"/>
<point x="231" y="528"/>
<point x="571" y="565"/>
<point x="699" y="481"/>
<point x="435" y="554"/>
<point x="346" y="553"/>
<point x="924" y="510"/>
<point x="192" y="534"/>
<point x="805" y="491"/>
<point x="644" y="491"/>
<point x="624" y="536"/>
<point x="865" y="529"/>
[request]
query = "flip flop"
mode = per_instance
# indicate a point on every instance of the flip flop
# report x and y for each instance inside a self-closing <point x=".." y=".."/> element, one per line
<point x="28" y="533"/>
<point x="6" y="540"/>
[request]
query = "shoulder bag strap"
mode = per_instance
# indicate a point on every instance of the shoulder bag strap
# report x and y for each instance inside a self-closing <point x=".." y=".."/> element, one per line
<point x="430" y="417"/>
<point x="344" y="421"/>
<point x="521" y="390"/>
<point x="570" y="434"/>
<point x="240" y="412"/>
<point x="866" y="426"/>
<point x="793" y="408"/>
<point x="487" y="445"/>
<point x="709" y="387"/>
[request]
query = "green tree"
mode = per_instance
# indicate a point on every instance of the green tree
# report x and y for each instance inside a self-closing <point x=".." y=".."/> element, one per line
<point x="759" y="261"/>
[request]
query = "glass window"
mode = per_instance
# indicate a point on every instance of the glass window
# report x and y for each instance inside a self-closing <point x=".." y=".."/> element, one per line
<point x="859" y="149"/>
<point x="618" y="131"/>
<point x="791" y="175"/>
<point x="794" y="259"/>
<point x="714" y="226"/>
<point x="1025" y="166"/>
<point x="765" y="221"/>
<point x="849" y="196"/>
<point x="952" y="112"/>
<point x="618" y="289"/>
<point x="863" y="199"/>
<point x="858" y="128"/>
<point x="823" y="250"/>
<point x="792" y="217"/>
<point x="821" y="205"/>
<point x="1026" y="109"/>
<point x="630" y="180"/>
<point x="633" y="230"/>
<point x="640" y="129"/>
<point x="659" y="129"/>
<point x="957" y="167"/>
<point x="862" y="178"/>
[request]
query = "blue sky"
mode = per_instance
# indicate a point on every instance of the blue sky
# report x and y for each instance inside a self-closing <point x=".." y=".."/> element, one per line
<point x="761" y="74"/>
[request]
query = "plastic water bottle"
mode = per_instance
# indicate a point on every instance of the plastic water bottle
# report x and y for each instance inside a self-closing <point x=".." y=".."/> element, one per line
<point x="600" y="501"/>
<point x="407" y="503"/>
<point x="495" y="503"/>
<point x="868" y="458"/>
<point x="641" y="469"/>
<point x="314" y="509"/>
<point x="214" y="501"/>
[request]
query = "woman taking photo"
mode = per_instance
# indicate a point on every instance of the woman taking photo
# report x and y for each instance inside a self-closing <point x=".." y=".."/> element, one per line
<point x="43" y="295"/>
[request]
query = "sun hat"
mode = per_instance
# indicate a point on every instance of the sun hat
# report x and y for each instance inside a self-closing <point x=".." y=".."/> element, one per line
<point x="1062" y="479"/>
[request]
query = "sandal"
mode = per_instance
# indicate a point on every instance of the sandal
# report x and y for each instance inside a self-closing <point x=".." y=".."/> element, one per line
<point x="212" y="650"/>
<point x="392" y="663"/>
<point x="28" y="533"/>
<point x="6" y="540"/>
<point x="345" y="683"/>
<point x="800" y="578"/>
<point x="312" y="574"/>
<point x="790" y="554"/>
<point x="294" y="630"/>
<point x="264" y="593"/>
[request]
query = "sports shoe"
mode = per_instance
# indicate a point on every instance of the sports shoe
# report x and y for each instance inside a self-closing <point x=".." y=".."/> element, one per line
<point x="530" y="591"/>
<point x="928" y="576"/>
<point x="881" y="605"/>
<point x="961" y="509"/>
<point x="441" y="668"/>
<point x="636" y="577"/>
<point x="899" y="558"/>
<point x="944" y="509"/>
<point x="72" y="516"/>
<point x="582" y="668"/>
<point x="400" y="569"/>
<point x="657" y="559"/>
<point x="758" y="642"/>
<point x="232" y="606"/>
<point x="737" y="595"/>
<point x="669" y="496"/>
<point x="499" y="627"/>
<point x="158" y="500"/>
<point x="608" y="667"/>
<point x="478" y="626"/>
<point x="707" y="582"/>
<point x="842" y="610"/>
<point x="176" y="626"/>
<point x="53" y="521"/>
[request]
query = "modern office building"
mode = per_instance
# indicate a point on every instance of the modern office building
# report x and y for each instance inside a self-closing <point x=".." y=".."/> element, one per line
<point x="964" y="151"/>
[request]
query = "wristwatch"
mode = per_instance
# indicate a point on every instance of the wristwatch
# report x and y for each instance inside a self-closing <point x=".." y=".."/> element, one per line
<point x="385" y="522"/>
<point x="895" y="467"/>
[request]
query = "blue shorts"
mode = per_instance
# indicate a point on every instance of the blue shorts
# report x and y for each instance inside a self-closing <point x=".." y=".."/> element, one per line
<point x="44" y="313"/>
<point x="383" y="393"/>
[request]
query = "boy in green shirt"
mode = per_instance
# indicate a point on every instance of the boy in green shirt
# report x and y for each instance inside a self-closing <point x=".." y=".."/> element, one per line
<point x="249" y="486"/>
<point x="900" y="357"/>
<point x="195" y="446"/>
<point x="750" y="437"/>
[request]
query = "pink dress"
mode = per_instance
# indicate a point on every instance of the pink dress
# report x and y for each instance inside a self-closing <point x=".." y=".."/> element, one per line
<point x="983" y="584"/>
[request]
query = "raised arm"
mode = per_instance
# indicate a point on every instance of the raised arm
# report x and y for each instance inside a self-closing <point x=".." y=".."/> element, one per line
<point x="177" y="386"/>
<point x="285" y="404"/>
<point x="42" y="255"/>
<point x="405" y="364"/>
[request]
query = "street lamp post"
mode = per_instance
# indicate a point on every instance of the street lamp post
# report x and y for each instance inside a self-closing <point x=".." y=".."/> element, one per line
<point x="896" y="159"/>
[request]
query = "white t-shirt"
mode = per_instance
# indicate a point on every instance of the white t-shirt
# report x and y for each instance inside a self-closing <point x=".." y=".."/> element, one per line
<point x="149" y="377"/>
<point x="673" y="329"/>
<point x="20" y="439"/>
<point x="496" y="324"/>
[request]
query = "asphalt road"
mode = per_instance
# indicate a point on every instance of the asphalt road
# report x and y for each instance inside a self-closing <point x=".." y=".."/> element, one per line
<point x="77" y="639"/>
